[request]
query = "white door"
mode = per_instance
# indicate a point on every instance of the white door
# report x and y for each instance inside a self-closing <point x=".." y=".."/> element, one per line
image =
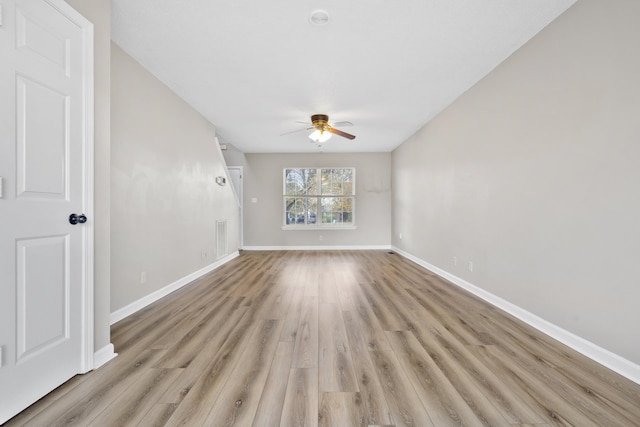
<point x="46" y="144"/>
<point x="235" y="175"/>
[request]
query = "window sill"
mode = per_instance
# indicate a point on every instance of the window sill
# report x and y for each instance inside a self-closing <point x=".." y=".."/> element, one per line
<point x="318" y="227"/>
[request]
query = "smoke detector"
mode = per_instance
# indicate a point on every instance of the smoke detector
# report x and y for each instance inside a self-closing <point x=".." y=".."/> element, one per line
<point x="319" y="17"/>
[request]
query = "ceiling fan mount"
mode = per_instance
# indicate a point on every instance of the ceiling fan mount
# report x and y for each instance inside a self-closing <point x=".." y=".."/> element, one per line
<point x="320" y="121"/>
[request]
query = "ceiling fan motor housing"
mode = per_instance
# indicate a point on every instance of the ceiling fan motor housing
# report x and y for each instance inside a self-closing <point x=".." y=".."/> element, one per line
<point x="320" y="121"/>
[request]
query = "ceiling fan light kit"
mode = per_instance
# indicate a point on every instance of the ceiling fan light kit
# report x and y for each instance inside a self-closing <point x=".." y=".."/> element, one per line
<point x="319" y="136"/>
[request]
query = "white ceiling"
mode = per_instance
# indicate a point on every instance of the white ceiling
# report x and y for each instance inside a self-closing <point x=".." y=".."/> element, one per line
<point x="255" y="68"/>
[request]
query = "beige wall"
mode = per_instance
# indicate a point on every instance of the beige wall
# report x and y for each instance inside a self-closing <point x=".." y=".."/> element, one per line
<point x="99" y="13"/>
<point x="164" y="199"/>
<point x="233" y="156"/>
<point x="263" y="181"/>
<point x="533" y="176"/>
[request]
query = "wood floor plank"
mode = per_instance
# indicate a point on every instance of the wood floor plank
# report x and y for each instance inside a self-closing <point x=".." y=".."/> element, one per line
<point x="227" y="332"/>
<point x="130" y="408"/>
<point x="481" y="388"/>
<point x="405" y="407"/>
<point x="292" y="319"/>
<point x="443" y="403"/>
<point x="595" y="406"/>
<point x="346" y="281"/>
<point x="182" y="325"/>
<point x="301" y="400"/>
<point x="277" y="305"/>
<point x="327" y="289"/>
<point x="90" y="398"/>
<point x="24" y="418"/>
<point x="336" y="368"/>
<point x="387" y="315"/>
<point x="613" y="394"/>
<point x="473" y="381"/>
<point x="271" y="403"/>
<point x="204" y="329"/>
<point x="202" y="395"/>
<point x="341" y="409"/>
<point x="309" y="273"/>
<point x="238" y="404"/>
<point x="553" y="404"/>
<point x="447" y="316"/>
<point x="306" y="348"/>
<point x="158" y="414"/>
<point x="371" y="391"/>
<point x="368" y="325"/>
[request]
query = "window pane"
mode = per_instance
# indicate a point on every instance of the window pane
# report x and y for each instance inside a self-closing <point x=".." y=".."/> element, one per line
<point x="300" y="210"/>
<point x="327" y="181"/>
<point x="312" y="210"/>
<point x="337" y="210"/>
<point x="292" y="209"/>
<point x="347" y="182"/>
<point x="333" y="210"/>
<point x="347" y="210"/>
<point x="337" y="182"/>
<point x="301" y="182"/>
<point x="347" y="188"/>
<point x="326" y="203"/>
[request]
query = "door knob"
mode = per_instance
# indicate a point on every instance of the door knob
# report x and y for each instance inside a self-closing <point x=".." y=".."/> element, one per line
<point x="77" y="219"/>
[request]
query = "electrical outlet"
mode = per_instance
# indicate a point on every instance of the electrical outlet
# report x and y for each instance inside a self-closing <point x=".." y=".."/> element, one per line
<point x="143" y="277"/>
<point x="321" y="237"/>
<point x="400" y="236"/>
<point x="203" y="254"/>
<point x="471" y="266"/>
<point x="455" y="260"/>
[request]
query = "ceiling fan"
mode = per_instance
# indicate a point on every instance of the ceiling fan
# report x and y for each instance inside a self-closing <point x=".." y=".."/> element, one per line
<point x="323" y="129"/>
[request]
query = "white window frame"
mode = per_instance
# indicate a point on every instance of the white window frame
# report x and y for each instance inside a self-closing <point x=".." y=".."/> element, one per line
<point x="319" y="225"/>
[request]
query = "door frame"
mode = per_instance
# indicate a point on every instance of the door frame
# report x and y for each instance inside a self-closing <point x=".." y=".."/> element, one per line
<point x="239" y="198"/>
<point x="87" y="327"/>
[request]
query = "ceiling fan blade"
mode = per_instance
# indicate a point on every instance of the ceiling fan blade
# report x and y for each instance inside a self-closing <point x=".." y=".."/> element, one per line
<point x="294" y="131"/>
<point x="339" y="132"/>
<point x="341" y="124"/>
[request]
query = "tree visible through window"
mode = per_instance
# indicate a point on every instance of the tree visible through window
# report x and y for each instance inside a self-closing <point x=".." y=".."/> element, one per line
<point x="319" y="196"/>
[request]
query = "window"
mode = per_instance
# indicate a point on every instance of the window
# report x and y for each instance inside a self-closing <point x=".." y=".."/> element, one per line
<point x="319" y="197"/>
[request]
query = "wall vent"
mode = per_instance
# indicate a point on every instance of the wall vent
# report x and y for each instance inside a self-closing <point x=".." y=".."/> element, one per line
<point x="221" y="239"/>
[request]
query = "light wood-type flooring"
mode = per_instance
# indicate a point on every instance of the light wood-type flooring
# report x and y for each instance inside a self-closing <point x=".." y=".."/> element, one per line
<point x="334" y="338"/>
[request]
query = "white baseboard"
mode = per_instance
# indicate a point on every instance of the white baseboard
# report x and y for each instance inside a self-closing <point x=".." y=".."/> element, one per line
<point x="317" y="248"/>
<point x="103" y="355"/>
<point x="128" y="310"/>
<point x="603" y="356"/>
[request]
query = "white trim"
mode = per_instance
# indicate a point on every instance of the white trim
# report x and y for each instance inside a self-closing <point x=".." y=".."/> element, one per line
<point x="601" y="355"/>
<point x="317" y="227"/>
<point x="87" y="325"/>
<point x="317" y="248"/>
<point x="128" y="310"/>
<point x="103" y="355"/>
<point x="239" y="200"/>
